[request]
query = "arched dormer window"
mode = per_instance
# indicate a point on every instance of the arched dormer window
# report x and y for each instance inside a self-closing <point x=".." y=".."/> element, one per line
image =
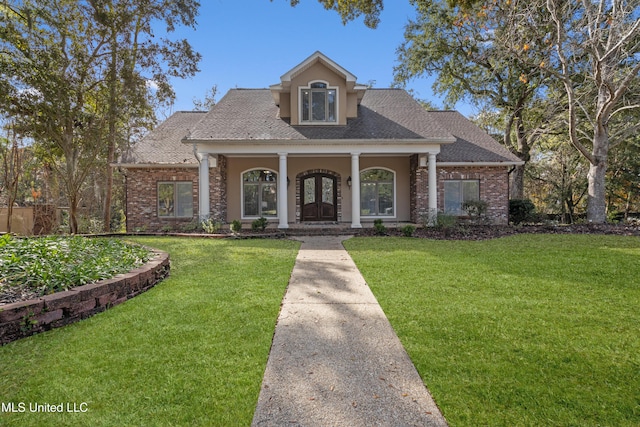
<point x="318" y="103"/>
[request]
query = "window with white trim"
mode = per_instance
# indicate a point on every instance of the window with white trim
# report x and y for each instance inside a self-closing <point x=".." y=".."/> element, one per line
<point x="377" y="192"/>
<point x="175" y="199"/>
<point x="318" y="103"/>
<point x="457" y="192"/>
<point x="259" y="193"/>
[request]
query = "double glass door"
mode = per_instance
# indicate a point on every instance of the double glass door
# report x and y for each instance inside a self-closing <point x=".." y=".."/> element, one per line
<point x="319" y="197"/>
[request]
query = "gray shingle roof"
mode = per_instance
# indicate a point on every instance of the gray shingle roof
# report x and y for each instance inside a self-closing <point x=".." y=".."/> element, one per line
<point x="250" y="114"/>
<point x="472" y="143"/>
<point x="163" y="144"/>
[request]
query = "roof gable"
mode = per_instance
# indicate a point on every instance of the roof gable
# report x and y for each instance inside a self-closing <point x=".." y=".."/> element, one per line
<point x="310" y="61"/>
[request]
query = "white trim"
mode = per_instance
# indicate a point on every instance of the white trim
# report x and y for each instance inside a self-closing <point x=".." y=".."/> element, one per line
<point x="325" y="146"/>
<point x="318" y="122"/>
<point x="281" y="191"/>
<point x="395" y="207"/>
<point x="355" y="190"/>
<point x="317" y="56"/>
<point x="242" y="215"/>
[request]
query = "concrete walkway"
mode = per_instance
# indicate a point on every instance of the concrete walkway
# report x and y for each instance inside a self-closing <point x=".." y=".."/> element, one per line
<point x="335" y="360"/>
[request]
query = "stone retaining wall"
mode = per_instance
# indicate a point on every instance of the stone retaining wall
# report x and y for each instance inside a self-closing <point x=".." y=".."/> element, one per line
<point x="25" y="318"/>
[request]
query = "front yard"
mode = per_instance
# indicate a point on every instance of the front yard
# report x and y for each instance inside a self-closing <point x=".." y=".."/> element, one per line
<point x="524" y="330"/>
<point x="190" y="351"/>
<point x="527" y="330"/>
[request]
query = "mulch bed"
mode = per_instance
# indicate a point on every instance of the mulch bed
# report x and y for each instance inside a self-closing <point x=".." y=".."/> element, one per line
<point x="484" y="232"/>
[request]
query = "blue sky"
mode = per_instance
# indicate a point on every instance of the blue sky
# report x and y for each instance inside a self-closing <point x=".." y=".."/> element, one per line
<point x="251" y="43"/>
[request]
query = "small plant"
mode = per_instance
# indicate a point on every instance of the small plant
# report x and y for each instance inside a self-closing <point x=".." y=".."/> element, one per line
<point x="189" y="227"/>
<point x="446" y="221"/>
<point x="259" y="224"/>
<point x="166" y="228"/>
<point x="379" y="227"/>
<point x="236" y="226"/>
<point x="28" y="322"/>
<point x="477" y="211"/>
<point x="521" y="211"/>
<point x="407" y="230"/>
<point x="210" y="226"/>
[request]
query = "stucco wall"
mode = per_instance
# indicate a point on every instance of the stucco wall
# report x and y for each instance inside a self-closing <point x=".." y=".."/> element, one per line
<point x="340" y="166"/>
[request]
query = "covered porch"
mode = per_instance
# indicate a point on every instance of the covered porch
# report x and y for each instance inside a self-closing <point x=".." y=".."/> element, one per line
<point x="337" y="183"/>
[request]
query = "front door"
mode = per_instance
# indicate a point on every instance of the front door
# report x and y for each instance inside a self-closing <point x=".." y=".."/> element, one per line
<point x="319" y="197"/>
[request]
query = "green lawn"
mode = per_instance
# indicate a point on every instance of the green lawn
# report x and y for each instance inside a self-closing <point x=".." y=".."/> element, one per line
<point x="191" y="351"/>
<point x="528" y="330"/>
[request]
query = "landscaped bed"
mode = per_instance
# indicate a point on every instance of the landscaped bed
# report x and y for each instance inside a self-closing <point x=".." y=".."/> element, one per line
<point x="33" y="267"/>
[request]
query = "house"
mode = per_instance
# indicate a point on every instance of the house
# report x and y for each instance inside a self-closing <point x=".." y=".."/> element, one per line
<point x="315" y="147"/>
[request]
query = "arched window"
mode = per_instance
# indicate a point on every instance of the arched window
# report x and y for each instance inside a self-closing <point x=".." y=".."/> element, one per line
<point x="259" y="193"/>
<point x="377" y="192"/>
<point x="318" y="103"/>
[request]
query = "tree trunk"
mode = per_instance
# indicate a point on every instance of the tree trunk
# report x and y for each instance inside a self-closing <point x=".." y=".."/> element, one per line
<point x="596" y="199"/>
<point x="112" y="130"/>
<point x="517" y="183"/>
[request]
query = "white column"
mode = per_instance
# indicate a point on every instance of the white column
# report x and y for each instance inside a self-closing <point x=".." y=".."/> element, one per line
<point x="433" y="189"/>
<point x="282" y="192"/>
<point x="203" y="187"/>
<point x="355" y="190"/>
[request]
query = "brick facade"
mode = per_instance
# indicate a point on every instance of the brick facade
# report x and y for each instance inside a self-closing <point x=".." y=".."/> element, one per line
<point x="142" y="196"/>
<point x="494" y="188"/>
<point x="142" y="185"/>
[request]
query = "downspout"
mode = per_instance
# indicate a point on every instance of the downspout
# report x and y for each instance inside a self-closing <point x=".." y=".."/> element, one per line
<point x="509" y="191"/>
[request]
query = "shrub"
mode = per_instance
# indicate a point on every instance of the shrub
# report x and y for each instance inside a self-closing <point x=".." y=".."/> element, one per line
<point x="521" y="210"/>
<point x="210" y="226"/>
<point x="379" y="227"/>
<point x="446" y="221"/>
<point x="236" y="226"/>
<point x="477" y="210"/>
<point x="259" y="224"/>
<point x="407" y="230"/>
<point x="189" y="227"/>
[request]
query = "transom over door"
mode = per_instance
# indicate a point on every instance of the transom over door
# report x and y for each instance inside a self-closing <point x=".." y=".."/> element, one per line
<point x="319" y="197"/>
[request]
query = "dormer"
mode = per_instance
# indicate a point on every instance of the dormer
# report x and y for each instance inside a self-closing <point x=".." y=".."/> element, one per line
<point x="318" y="92"/>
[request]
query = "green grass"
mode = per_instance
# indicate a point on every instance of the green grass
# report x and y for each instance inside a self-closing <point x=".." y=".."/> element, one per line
<point x="528" y="330"/>
<point x="190" y="351"/>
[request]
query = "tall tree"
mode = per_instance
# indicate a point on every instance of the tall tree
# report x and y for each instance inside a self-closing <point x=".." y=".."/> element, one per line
<point x="351" y="9"/>
<point x="460" y="47"/>
<point x="133" y="51"/>
<point x="592" y="50"/>
<point x="74" y="72"/>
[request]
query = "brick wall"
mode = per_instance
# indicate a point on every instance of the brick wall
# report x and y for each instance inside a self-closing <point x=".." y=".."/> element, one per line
<point x="494" y="189"/>
<point x="142" y="202"/>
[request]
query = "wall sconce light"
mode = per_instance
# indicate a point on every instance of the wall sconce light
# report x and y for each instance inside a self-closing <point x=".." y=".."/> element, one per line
<point x="349" y="181"/>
